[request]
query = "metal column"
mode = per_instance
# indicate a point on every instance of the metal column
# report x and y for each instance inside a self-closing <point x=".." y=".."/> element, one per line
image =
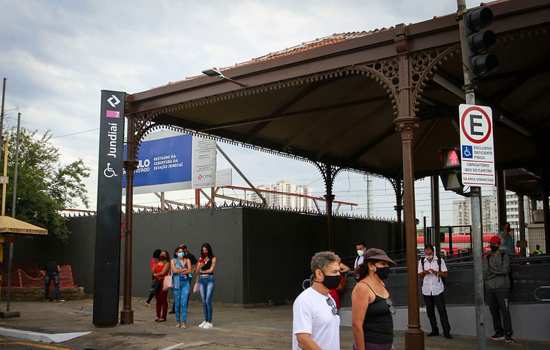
<point x="406" y="123"/>
<point x="329" y="173"/>
<point x="546" y="212"/>
<point x="521" y="218"/>
<point x="414" y="337"/>
<point x="436" y="225"/>
<point x="501" y="199"/>
<point x="127" y="314"/>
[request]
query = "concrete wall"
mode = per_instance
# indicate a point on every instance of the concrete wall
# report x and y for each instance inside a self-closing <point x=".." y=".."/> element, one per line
<point x="278" y="247"/>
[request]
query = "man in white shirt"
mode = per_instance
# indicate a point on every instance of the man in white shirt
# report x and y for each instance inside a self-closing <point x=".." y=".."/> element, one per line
<point x="360" y="248"/>
<point x="432" y="269"/>
<point x="315" y="319"/>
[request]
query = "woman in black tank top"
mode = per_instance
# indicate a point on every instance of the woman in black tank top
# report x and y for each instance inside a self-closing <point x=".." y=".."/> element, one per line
<point x="372" y="319"/>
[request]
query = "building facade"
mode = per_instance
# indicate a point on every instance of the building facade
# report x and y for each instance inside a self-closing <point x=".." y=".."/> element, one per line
<point x="285" y="201"/>
<point x="489" y="218"/>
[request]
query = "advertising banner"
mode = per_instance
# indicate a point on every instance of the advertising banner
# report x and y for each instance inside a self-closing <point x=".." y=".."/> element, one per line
<point x="204" y="163"/>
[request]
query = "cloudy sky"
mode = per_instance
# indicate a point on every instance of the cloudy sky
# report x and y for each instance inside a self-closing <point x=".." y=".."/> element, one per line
<point x="58" y="55"/>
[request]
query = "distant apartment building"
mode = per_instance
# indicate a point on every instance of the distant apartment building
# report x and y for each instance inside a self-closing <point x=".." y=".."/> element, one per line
<point x="285" y="201"/>
<point x="461" y="212"/>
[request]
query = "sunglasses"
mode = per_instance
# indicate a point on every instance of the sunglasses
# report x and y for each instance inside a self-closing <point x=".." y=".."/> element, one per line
<point x="332" y="305"/>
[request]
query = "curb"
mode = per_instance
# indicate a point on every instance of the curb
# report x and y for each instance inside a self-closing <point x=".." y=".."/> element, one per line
<point x="40" y="337"/>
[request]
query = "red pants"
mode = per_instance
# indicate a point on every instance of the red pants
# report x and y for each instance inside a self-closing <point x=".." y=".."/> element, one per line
<point x="162" y="303"/>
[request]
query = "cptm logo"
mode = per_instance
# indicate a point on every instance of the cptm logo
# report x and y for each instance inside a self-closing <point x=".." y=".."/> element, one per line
<point x="113" y="101"/>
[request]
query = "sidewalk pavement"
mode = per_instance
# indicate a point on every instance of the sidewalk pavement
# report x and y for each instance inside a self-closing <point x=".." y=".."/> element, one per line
<point x="234" y="328"/>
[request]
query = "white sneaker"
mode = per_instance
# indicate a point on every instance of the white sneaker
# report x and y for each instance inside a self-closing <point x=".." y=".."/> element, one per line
<point x="208" y="325"/>
<point x="202" y="324"/>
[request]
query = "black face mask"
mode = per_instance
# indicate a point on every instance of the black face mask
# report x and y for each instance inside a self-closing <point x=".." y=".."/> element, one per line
<point x="331" y="282"/>
<point x="494" y="248"/>
<point x="383" y="272"/>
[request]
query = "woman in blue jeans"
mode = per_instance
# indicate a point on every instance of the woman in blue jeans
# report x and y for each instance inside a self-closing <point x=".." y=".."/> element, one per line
<point x="205" y="269"/>
<point x="181" y="268"/>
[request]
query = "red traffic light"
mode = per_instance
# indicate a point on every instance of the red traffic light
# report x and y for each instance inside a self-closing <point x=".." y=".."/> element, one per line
<point x="451" y="158"/>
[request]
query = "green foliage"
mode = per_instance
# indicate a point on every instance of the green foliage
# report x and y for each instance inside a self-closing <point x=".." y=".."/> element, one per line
<point x="44" y="185"/>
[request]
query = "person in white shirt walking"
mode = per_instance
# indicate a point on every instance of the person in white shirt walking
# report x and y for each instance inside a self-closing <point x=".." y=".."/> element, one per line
<point x="432" y="269"/>
<point x="315" y="319"/>
<point x="360" y="248"/>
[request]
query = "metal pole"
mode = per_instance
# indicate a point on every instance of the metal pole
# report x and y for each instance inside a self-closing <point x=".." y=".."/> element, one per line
<point x="436" y="222"/>
<point x="2" y="110"/>
<point x="546" y="212"/>
<point x="521" y="217"/>
<point x="127" y="314"/>
<point x="5" y="177"/>
<point x="16" y="169"/>
<point x="213" y="196"/>
<point x="13" y="206"/>
<point x="426" y="240"/>
<point x="475" y="199"/>
<point x="501" y="199"/>
<point x="197" y="197"/>
<point x="10" y="254"/>
<point x="242" y="175"/>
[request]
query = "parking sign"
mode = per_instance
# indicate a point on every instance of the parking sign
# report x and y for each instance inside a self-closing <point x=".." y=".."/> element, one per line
<point x="476" y="145"/>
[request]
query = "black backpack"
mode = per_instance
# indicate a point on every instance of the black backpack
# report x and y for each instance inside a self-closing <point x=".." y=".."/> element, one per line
<point x="442" y="279"/>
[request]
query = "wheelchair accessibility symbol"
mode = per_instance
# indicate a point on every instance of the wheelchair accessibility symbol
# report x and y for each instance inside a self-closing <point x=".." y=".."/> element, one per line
<point x="109" y="172"/>
<point x="467" y="152"/>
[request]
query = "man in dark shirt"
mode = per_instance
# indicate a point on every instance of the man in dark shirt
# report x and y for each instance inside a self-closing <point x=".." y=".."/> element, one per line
<point x="496" y="273"/>
<point x="189" y="255"/>
<point x="52" y="275"/>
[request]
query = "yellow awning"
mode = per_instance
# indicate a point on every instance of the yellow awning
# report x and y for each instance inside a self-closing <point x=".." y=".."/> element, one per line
<point x="14" y="226"/>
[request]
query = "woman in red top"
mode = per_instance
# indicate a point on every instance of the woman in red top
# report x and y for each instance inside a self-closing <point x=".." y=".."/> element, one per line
<point x="337" y="292"/>
<point x="162" y="268"/>
<point x="154" y="281"/>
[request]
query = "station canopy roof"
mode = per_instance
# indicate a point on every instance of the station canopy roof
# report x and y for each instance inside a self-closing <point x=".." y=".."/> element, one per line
<point x="9" y="225"/>
<point x="316" y="101"/>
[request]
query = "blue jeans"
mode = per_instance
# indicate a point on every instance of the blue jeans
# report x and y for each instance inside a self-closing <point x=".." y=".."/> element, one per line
<point x="49" y="278"/>
<point x="206" y="288"/>
<point x="181" y="298"/>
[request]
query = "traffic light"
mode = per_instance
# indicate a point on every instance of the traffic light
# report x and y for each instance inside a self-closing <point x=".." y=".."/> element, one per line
<point x="451" y="177"/>
<point x="479" y="40"/>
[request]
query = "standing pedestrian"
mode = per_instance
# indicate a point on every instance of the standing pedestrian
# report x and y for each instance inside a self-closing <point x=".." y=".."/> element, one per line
<point x="52" y="275"/>
<point x="162" y="269"/>
<point x="337" y="292"/>
<point x="154" y="282"/>
<point x="181" y="267"/>
<point x="205" y="269"/>
<point x="315" y="319"/>
<point x="371" y="306"/>
<point x="360" y="249"/>
<point x="538" y="250"/>
<point x="507" y="240"/>
<point x="193" y="260"/>
<point x="432" y="270"/>
<point x="496" y="273"/>
<point x="188" y="254"/>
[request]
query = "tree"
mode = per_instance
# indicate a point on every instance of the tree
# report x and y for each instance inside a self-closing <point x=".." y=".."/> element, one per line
<point x="44" y="185"/>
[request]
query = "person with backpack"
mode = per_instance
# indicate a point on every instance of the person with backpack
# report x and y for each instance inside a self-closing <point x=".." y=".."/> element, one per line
<point x="496" y="274"/>
<point x="432" y="270"/>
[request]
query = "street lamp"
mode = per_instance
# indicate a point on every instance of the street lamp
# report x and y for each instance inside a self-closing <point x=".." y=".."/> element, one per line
<point x="215" y="72"/>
